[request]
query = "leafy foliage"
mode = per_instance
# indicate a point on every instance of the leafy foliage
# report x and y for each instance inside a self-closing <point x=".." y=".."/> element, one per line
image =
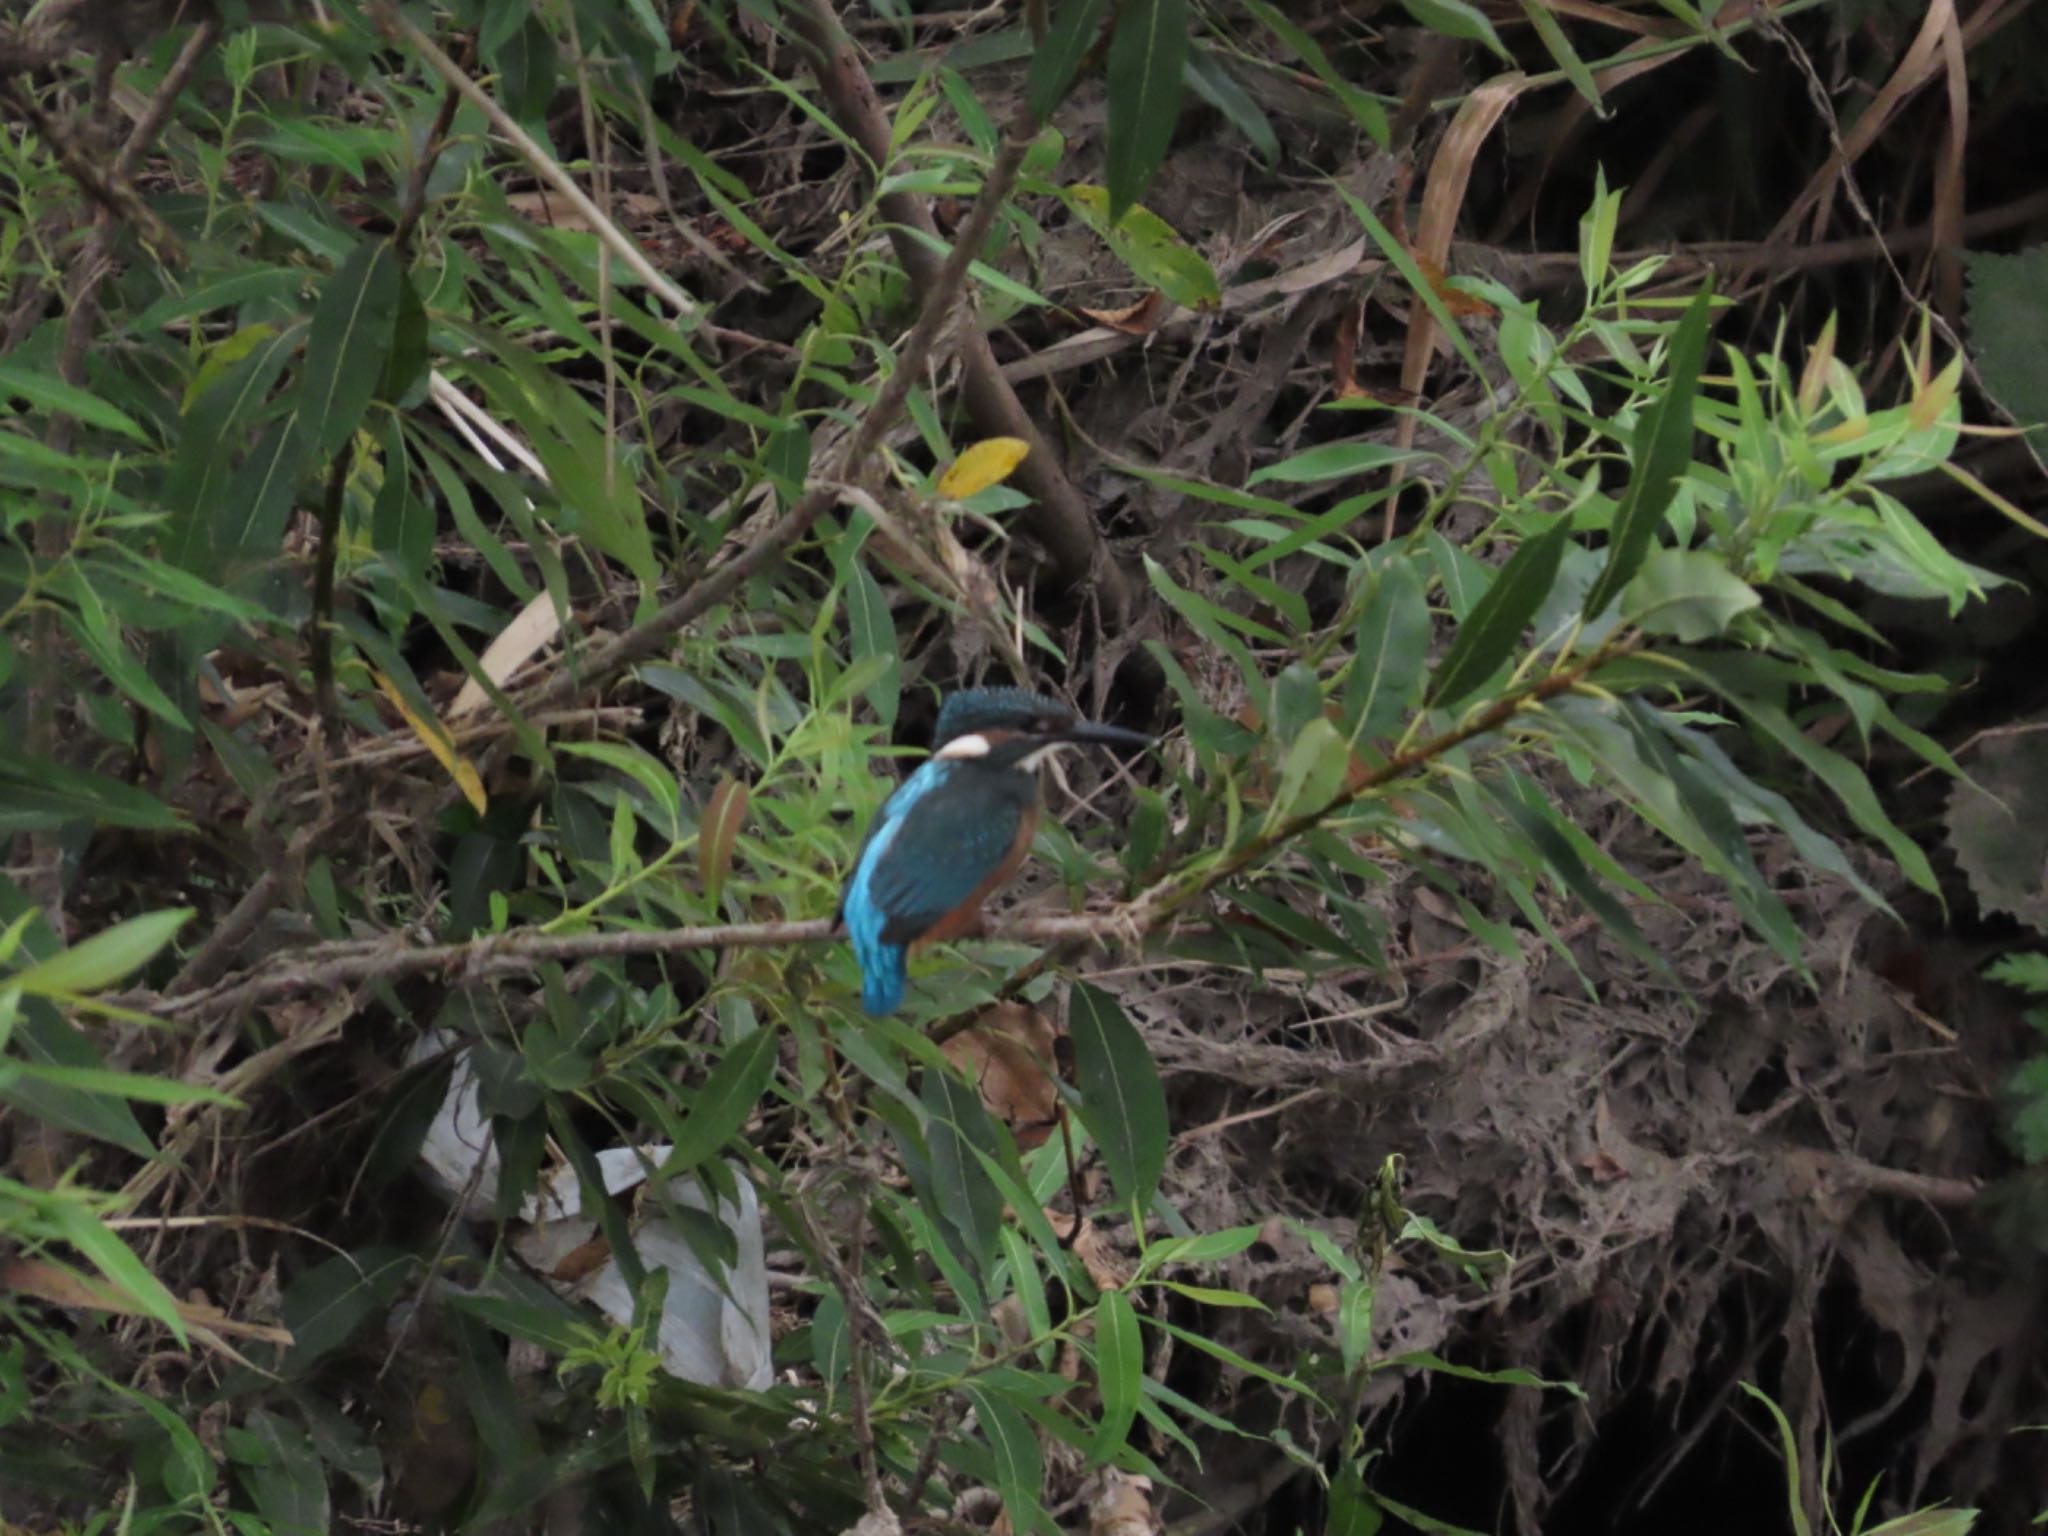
<point x="356" y="430"/>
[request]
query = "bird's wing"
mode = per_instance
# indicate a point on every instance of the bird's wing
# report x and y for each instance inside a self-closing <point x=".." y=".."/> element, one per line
<point x="953" y="838"/>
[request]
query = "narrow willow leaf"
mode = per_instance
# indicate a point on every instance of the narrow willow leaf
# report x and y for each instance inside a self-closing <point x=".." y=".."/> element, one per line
<point x="1661" y="450"/>
<point x="957" y="1125"/>
<point x="1390" y="650"/>
<point x="1563" y="861"/>
<point x="43" y="1036"/>
<point x="728" y="1096"/>
<point x="1365" y="110"/>
<point x="1217" y="86"/>
<point x="718" y="833"/>
<point x="1020" y="1473"/>
<point x="1454" y="18"/>
<point x="1489" y="637"/>
<point x="349" y="344"/>
<point x="259" y="500"/>
<point x="54" y="397"/>
<point x="194" y="491"/>
<point x="1075" y="27"/>
<point x="1119" y="1367"/>
<point x="1568" y="60"/>
<point x="1848" y="782"/>
<point x="988" y="462"/>
<point x="1147" y="57"/>
<point x="117" y="1261"/>
<point x="1122" y="1102"/>
<point x="103" y="959"/>
<point x="1331" y="461"/>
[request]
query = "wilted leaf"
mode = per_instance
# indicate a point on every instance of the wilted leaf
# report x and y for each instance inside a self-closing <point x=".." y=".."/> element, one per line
<point x="435" y="738"/>
<point x="1139" y="319"/>
<point x="988" y="462"/>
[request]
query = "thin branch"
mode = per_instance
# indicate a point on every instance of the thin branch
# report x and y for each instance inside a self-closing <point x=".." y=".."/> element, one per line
<point x="327" y="967"/>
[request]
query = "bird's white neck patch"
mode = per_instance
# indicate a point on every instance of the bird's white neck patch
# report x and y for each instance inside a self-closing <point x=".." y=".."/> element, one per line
<point x="973" y="744"/>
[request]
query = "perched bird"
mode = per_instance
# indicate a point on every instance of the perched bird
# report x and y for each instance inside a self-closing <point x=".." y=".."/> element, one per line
<point x="957" y="829"/>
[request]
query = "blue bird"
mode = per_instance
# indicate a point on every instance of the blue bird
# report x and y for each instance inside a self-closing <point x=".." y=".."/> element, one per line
<point x="957" y="829"/>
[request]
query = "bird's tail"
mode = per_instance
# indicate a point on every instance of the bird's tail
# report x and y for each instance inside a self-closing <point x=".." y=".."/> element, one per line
<point x="883" y="970"/>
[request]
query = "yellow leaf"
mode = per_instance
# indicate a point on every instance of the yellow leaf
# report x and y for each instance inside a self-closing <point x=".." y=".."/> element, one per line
<point x="435" y="738"/>
<point x="989" y="462"/>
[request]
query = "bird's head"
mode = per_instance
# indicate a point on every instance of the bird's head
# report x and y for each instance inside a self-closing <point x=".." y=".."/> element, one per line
<point x="1016" y="728"/>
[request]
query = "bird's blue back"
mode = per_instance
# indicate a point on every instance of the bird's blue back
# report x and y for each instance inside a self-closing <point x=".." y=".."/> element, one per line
<point x="945" y="830"/>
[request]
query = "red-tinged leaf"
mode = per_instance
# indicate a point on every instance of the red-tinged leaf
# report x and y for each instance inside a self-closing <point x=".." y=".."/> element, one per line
<point x="1147" y="58"/>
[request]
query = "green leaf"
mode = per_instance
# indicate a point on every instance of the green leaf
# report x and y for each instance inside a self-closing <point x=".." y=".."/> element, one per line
<point x="1075" y="27"/>
<point x="126" y="1085"/>
<point x="2009" y="329"/>
<point x="349" y="344"/>
<point x="1147" y="55"/>
<point x="1390" y="651"/>
<point x="1512" y="1377"/>
<point x="721" y="1106"/>
<point x="1217" y="86"/>
<point x="1490" y="635"/>
<point x="1564" y="862"/>
<point x="1788" y="1445"/>
<point x="956" y="1124"/>
<point x="325" y="1306"/>
<point x="42" y="1037"/>
<point x="1687" y="593"/>
<point x="259" y="499"/>
<point x="216" y="424"/>
<point x="1332" y="461"/>
<point x="1150" y="247"/>
<point x="1364" y="109"/>
<point x="1119" y="1370"/>
<point x="1122" y="1102"/>
<point x="105" y="958"/>
<point x="117" y="1261"/>
<point x="1660" y="452"/>
<point x="1020" y="1474"/>
<point x="1560" y="48"/>
<point x="1454" y="18"/>
<point x="286" y="1481"/>
<point x="35" y="796"/>
<point x="1313" y="771"/>
<point x="53" y="397"/>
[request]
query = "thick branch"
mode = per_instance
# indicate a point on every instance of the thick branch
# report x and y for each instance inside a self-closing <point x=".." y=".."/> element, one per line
<point x="337" y="965"/>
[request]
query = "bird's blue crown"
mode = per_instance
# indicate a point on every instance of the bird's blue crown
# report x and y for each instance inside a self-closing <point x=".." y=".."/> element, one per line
<point x="989" y="709"/>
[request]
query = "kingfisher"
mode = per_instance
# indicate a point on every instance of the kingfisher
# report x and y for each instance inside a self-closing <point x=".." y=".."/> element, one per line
<point x="957" y="829"/>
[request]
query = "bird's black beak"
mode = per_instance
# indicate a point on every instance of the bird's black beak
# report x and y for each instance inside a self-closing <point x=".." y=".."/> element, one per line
<point x="1088" y="733"/>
